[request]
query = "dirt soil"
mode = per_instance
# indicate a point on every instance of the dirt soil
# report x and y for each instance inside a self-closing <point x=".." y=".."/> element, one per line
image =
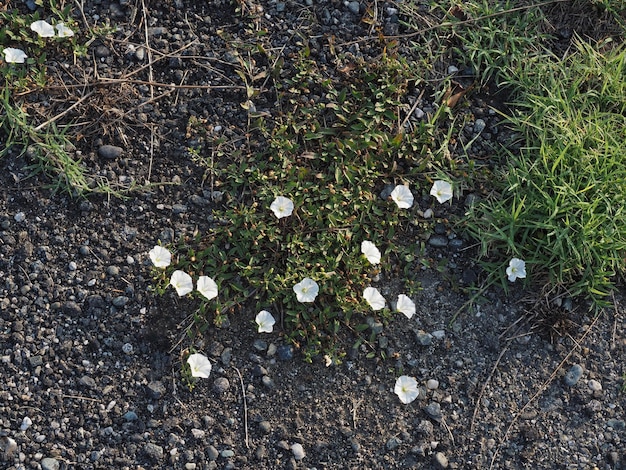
<point x="90" y="357"/>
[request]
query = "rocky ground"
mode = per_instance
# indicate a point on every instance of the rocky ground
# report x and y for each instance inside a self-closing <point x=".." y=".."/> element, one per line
<point x="89" y="357"/>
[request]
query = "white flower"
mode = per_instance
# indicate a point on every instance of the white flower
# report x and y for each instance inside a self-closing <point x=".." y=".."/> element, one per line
<point x="374" y="298"/>
<point x="181" y="281"/>
<point x="442" y="190"/>
<point x="200" y="365"/>
<point x="370" y="251"/>
<point x="63" y="31"/>
<point x="402" y="196"/>
<point x="43" y="29"/>
<point x="14" y="56"/>
<point x="160" y="257"/>
<point x="406" y="389"/>
<point x="266" y="321"/>
<point x="517" y="268"/>
<point x="306" y="290"/>
<point x="207" y="287"/>
<point x="282" y="207"/>
<point x="405" y="305"/>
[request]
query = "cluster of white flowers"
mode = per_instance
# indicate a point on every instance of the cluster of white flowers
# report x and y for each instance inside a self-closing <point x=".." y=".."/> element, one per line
<point x="180" y="280"/>
<point x="43" y="29"/>
<point x="307" y="289"/>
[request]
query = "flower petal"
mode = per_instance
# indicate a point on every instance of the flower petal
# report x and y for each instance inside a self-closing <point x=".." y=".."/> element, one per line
<point x="406" y="389"/>
<point x="374" y="298"/>
<point x="370" y="251"/>
<point x="160" y="256"/>
<point x="207" y="287"/>
<point x="181" y="281"/>
<point x="282" y="207"/>
<point x="442" y="190"/>
<point x="63" y="31"/>
<point x="405" y="305"/>
<point x="42" y="28"/>
<point x="14" y="56"/>
<point x="306" y="290"/>
<point x="402" y="196"/>
<point x="200" y="365"/>
<point x="266" y="321"/>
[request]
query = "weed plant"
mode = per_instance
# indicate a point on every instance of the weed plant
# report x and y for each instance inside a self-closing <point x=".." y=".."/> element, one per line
<point x="560" y="204"/>
<point x="47" y="146"/>
<point x="331" y="157"/>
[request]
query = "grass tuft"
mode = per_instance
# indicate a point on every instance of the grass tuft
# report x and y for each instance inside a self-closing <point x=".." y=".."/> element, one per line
<point x="560" y="204"/>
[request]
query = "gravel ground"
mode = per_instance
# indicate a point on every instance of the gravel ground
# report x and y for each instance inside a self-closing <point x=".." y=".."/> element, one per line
<point x="88" y="355"/>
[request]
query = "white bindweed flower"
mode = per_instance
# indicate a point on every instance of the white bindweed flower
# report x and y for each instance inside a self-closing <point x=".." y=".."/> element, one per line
<point x="402" y="196"/>
<point x="517" y="268"/>
<point x="405" y="305"/>
<point x="207" y="287"/>
<point x="181" y="281"/>
<point x="43" y="28"/>
<point x="374" y="298"/>
<point x="282" y="207"/>
<point x="406" y="388"/>
<point x="63" y="31"/>
<point x="442" y="190"/>
<point x="370" y="251"/>
<point x="160" y="257"/>
<point x="200" y="365"/>
<point x="266" y="321"/>
<point x="14" y="56"/>
<point x="306" y="290"/>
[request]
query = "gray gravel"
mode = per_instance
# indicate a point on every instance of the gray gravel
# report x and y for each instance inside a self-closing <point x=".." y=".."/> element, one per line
<point x="91" y="376"/>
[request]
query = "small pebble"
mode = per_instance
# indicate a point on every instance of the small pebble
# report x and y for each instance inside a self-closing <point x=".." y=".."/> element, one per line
<point x="298" y="451"/>
<point x="423" y="338"/>
<point x="393" y="443"/>
<point x="72" y="266"/>
<point x="227" y="453"/>
<point x="428" y="213"/>
<point x="441" y="460"/>
<point x="452" y="70"/>
<point x="573" y="375"/>
<point x="265" y="427"/>
<point x="434" y="411"/>
<point x="285" y="352"/>
<point x="130" y="416"/>
<point x="110" y="152"/>
<point x="432" y="384"/>
<point x="438" y="241"/>
<point x="26" y="423"/>
<point x="127" y="348"/>
<point x="354" y="7"/>
<point x="594" y="385"/>
<point x="221" y="385"/>
<point x="479" y="126"/>
<point x="19" y="217"/>
<point x="50" y="464"/>
<point x="198" y="433"/>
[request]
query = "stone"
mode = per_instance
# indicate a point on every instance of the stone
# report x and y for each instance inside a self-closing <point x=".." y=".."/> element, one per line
<point x="50" y="464"/>
<point x="354" y="7"/>
<point x="441" y="460"/>
<point x="298" y="451"/>
<point x="434" y="411"/>
<point x="573" y="375"/>
<point x="110" y="152"/>
<point x="156" y="389"/>
<point x="221" y="385"/>
<point x="594" y="385"/>
<point x="284" y="352"/>
<point x="423" y="338"/>
<point x="438" y="241"/>
<point x="153" y="451"/>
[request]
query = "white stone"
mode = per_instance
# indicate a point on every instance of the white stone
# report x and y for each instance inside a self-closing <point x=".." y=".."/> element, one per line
<point x="298" y="451"/>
